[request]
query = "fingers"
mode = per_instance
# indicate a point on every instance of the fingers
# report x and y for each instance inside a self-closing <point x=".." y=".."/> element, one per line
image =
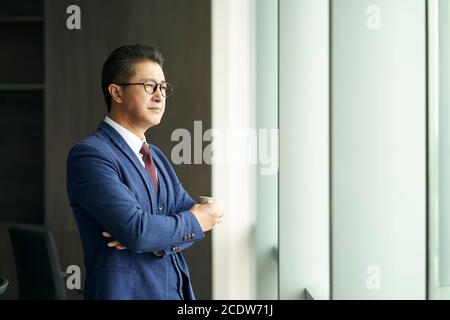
<point x="212" y="207"/>
<point x="113" y="244"/>
<point x="117" y="245"/>
<point x="220" y="216"/>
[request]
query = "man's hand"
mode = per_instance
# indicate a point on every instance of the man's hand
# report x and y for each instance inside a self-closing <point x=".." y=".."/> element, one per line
<point x="113" y="243"/>
<point x="208" y="215"/>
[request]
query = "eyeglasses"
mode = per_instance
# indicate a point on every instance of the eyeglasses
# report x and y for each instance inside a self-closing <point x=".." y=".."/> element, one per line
<point x="151" y="86"/>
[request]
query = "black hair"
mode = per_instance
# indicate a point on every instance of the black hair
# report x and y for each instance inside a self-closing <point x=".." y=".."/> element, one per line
<point x="119" y="67"/>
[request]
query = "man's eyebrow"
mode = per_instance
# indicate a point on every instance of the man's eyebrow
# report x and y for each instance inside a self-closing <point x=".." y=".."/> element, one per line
<point x="152" y="79"/>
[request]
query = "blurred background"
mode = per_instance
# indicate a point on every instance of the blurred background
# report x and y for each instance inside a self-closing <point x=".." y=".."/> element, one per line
<point x="344" y="194"/>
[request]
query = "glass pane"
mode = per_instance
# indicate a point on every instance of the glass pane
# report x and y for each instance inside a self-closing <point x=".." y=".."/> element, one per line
<point x="266" y="73"/>
<point x="378" y="105"/>
<point x="304" y="150"/>
<point x="439" y="156"/>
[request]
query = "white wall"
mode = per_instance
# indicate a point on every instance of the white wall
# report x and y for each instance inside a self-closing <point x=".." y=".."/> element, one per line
<point x="233" y="108"/>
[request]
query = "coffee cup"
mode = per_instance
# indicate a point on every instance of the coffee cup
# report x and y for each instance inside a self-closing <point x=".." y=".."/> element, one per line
<point x="217" y="201"/>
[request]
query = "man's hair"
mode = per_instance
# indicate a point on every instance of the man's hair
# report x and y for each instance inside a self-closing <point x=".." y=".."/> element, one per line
<point x="119" y="67"/>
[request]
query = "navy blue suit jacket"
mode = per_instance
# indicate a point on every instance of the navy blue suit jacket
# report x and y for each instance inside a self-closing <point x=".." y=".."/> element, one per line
<point x="110" y="190"/>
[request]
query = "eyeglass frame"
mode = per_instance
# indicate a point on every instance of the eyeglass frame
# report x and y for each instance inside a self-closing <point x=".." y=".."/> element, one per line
<point x="157" y="86"/>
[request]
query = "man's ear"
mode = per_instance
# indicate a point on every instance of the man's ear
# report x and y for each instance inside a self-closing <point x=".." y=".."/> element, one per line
<point x="116" y="93"/>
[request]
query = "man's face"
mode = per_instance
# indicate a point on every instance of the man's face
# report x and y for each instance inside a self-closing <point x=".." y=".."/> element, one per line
<point x="145" y="110"/>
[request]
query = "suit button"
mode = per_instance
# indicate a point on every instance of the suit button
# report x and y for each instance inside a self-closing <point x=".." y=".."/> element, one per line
<point x="160" y="207"/>
<point x="175" y="249"/>
<point x="158" y="253"/>
<point x="193" y="235"/>
<point x="185" y="238"/>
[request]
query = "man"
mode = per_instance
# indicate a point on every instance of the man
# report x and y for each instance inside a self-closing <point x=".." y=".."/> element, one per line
<point x="133" y="215"/>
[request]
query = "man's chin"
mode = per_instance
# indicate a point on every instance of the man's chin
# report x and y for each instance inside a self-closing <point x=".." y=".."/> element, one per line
<point x="153" y="121"/>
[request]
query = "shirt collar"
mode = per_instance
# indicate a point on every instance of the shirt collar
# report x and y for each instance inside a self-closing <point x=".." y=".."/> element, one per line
<point x="130" y="138"/>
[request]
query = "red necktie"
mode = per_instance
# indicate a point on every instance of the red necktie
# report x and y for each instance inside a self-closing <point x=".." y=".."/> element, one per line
<point x="149" y="165"/>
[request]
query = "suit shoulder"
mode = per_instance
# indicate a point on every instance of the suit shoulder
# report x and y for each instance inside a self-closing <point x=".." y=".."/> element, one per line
<point x="92" y="144"/>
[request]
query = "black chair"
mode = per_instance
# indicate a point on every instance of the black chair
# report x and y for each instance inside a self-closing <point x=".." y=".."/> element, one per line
<point x="3" y="285"/>
<point x="38" y="270"/>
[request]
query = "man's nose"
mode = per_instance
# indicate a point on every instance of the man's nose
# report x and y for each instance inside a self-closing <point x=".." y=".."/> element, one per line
<point x="157" y="94"/>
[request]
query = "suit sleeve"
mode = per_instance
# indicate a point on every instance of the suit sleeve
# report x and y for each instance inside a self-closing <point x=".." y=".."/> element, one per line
<point x="93" y="183"/>
<point x="186" y="203"/>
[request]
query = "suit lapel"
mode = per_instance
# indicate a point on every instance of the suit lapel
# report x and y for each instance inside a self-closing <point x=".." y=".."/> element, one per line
<point x="117" y="139"/>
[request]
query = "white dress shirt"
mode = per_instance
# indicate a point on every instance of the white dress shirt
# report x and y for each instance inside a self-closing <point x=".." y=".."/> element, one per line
<point x="133" y="141"/>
